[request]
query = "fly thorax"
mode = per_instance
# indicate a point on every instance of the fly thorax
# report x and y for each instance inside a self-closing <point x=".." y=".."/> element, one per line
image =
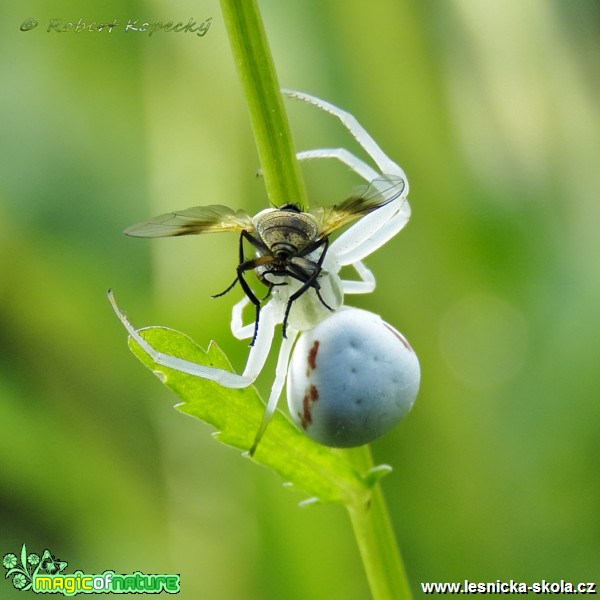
<point x="286" y="231"/>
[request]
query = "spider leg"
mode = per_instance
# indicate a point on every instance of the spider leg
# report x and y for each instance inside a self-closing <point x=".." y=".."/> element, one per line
<point x="262" y="342"/>
<point x="366" y="284"/>
<point x="371" y="232"/>
<point x="256" y="358"/>
<point x="280" y="375"/>
<point x="344" y="156"/>
<point x="375" y="229"/>
<point x="239" y="330"/>
<point x="385" y="164"/>
<point x="266" y="331"/>
<point x="381" y="182"/>
<point x="224" y="378"/>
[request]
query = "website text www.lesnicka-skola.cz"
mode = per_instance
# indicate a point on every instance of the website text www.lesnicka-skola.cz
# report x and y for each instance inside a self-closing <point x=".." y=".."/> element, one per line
<point x="510" y="587"/>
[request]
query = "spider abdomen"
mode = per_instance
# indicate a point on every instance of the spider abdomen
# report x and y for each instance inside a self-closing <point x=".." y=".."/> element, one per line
<point x="351" y="379"/>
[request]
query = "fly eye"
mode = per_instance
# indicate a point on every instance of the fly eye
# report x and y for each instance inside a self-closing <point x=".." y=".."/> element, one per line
<point x="351" y="379"/>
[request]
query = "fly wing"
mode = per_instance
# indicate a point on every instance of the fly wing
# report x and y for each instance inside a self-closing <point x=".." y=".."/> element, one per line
<point x="199" y="219"/>
<point x="362" y="201"/>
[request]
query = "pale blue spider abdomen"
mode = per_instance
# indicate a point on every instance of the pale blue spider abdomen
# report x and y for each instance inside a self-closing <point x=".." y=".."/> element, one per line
<point x="351" y="379"/>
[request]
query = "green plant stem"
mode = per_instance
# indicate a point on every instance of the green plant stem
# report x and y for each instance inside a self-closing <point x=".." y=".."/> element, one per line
<point x="371" y="523"/>
<point x="376" y="540"/>
<point x="270" y="125"/>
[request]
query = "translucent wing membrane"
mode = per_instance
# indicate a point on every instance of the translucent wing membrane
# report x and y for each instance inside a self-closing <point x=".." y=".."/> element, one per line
<point x="362" y="201"/>
<point x="199" y="219"/>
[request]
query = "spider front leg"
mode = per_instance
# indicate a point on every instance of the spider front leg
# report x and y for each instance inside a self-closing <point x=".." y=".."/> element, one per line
<point x="344" y="156"/>
<point x="383" y="161"/>
<point x="377" y="228"/>
<point x="371" y="232"/>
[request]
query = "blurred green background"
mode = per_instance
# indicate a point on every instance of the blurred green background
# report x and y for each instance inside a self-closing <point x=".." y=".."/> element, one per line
<point x="490" y="106"/>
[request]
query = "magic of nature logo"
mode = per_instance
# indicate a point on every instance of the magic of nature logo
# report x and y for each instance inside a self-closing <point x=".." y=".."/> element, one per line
<point x="44" y="573"/>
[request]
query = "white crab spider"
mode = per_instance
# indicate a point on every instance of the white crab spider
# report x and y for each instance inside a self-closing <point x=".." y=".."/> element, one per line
<point x="309" y="289"/>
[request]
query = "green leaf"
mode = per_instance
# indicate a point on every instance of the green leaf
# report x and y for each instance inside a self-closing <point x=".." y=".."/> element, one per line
<point x="236" y="415"/>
